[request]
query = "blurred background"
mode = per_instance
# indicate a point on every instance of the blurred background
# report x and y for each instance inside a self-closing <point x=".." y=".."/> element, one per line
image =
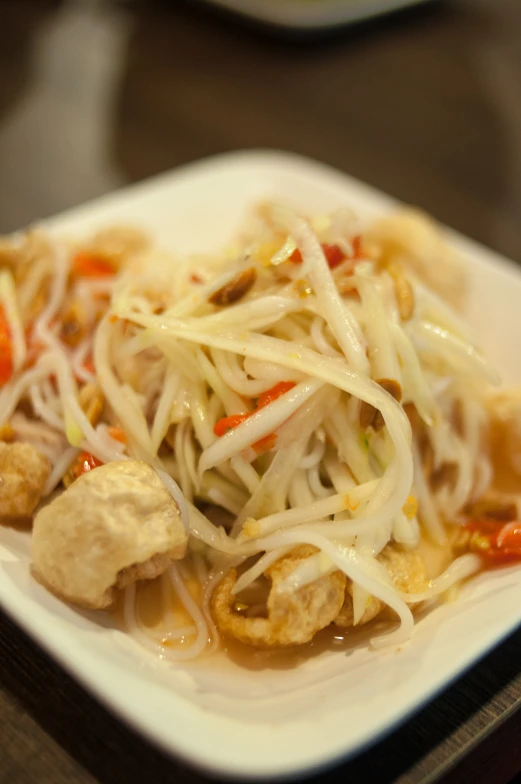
<point x="424" y="103"/>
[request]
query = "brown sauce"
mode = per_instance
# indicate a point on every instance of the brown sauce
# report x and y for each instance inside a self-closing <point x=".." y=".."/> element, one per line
<point x="506" y="479"/>
<point x="17" y="523"/>
<point x="150" y="604"/>
<point x="150" y="597"/>
<point x="330" y="639"/>
<point x="151" y="601"/>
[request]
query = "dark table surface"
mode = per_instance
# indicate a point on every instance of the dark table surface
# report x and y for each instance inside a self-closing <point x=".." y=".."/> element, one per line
<point x="426" y="105"/>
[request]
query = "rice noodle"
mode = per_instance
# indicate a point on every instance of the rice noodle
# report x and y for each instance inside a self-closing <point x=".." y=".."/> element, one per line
<point x="259" y="425"/>
<point x="44" y="411"/>
<point x="9" y="303"/>
<point x="321" y="343"/>
<point x="313" y="457"/>
<point x="59" y="469"/>
<point x="129" y="414"/>
<point x="380" y="349"/>
<point x="280" y="343"/>
<point x="342" y="324"/>
<point x="271" y="493"/>
<point x="175" y="491"/>
<point x="363" y="571"/>
<point x="163" y="414"/>
<point x="457" y="352"/>
<point x="154" y="642"/>
<point x="78" y="362"/>
<point x="258" y="569"/>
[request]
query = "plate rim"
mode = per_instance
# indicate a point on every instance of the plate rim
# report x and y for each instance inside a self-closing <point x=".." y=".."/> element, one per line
<point x="308" y="16"/>
<point x="36" y="631"/>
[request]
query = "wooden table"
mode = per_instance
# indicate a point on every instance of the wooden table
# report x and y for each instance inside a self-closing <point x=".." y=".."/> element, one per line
<point x="425" y="105"/>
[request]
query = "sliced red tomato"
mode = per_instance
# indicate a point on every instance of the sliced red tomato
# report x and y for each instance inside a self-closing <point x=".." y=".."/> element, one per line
<point x="6" y="349"/>
<point x="497" y="542"/>
<point x="84" y="463"/>
<point x="333" y="253"/>
<point x="296" y="257"/>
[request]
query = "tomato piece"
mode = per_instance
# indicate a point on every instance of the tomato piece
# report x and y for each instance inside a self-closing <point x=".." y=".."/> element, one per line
<point x="6" y="349"/>
<point x="509" y="538"/>
<point x="334" y="255"/>
<point x="90" y="265"/>
<point x="497" y="557"/>
<point x="228" y="423"/>
<point x="296" y="257"/>
<point x="6" y="367"/>
<point x="275" y="392"/>
<point x="82" y="464"/>
<point x="85" y="462"/>
<point x="497" y="542"/>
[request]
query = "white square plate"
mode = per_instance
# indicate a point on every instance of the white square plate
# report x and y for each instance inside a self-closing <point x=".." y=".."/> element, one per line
<point x="310" y="15"/>
<point x="263" y="723"/>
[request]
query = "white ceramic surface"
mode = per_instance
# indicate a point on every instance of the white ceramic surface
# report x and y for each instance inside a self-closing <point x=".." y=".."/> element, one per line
<point x="216" y="715"/>
<point x="310" y="15"/>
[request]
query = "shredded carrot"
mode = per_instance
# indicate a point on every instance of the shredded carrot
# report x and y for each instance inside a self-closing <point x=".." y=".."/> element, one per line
<point x="267" y="442"/>
<point x="275" y="392"/>
<point x="91" y="265"/>
<point x="228" y="423"/>
<point x="6" y="349"/>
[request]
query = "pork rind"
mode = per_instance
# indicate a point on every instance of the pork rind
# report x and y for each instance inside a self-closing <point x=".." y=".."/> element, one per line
<point x="407" y="571"/>
<point x="293" y="617"/>
<point x="113" y="526"/>
<point x="23" y="474"/>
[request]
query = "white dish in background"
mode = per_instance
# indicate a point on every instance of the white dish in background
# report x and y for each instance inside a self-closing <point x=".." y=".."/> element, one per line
<point x="232" y="721"/>
<point x="310" y="15"/>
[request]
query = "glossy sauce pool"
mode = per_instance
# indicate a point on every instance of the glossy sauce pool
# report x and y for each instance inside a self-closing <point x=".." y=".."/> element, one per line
<point x="152" y="598"/>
